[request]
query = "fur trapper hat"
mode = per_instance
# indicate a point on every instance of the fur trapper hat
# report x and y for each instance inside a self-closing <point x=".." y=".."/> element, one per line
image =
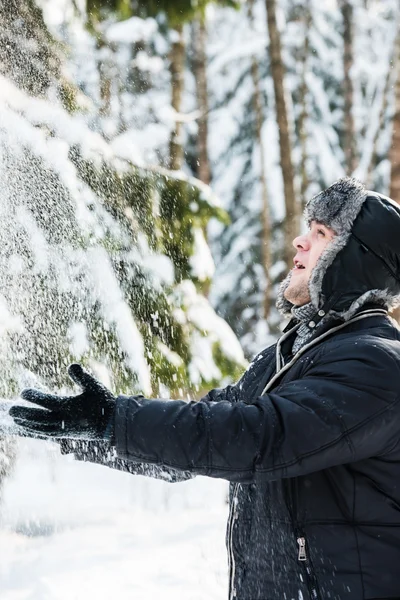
<point x="362" y="263"/>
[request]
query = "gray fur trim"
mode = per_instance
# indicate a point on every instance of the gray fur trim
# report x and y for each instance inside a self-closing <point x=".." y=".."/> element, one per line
<point x="325" y="260"/>
<point x="383" y="297"/>
<point x="282" y="304"/>
<point x="338" y="206"/>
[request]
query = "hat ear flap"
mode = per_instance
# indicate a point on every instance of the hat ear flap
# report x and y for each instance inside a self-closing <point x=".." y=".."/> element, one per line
<point x="319" y="271"/>
<point x="282" y="304"/>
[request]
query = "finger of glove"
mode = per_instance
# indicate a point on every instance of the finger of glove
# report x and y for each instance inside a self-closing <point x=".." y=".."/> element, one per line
<point x="44" y="429"/>
<point x="25" y="432"/>
<point x="52" y="431"/>
<point x="33" y="414"/>
<point x="85" y="380"/>
<point x="50" y="401"/>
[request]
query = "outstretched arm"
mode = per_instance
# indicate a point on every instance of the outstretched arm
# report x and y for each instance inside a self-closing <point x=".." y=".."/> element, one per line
<point x="84" y="426"/>
<point x="344" y="408"/>
<point x="101" y="453"/>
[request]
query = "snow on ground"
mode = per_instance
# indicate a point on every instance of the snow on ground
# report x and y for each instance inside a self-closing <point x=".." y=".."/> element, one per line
<point x="75" y="531"/>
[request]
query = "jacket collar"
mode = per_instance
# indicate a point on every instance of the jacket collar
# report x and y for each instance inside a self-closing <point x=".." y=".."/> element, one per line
<point x="285" y="342"/>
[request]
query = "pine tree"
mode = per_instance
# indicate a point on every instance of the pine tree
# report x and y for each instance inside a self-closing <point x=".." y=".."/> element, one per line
<point x="131" y="217"/>
<point x="179" y="15"/>
<point x="240" y="280"/>
<point x="292" y="224"/>
<point x="316" y="86"/>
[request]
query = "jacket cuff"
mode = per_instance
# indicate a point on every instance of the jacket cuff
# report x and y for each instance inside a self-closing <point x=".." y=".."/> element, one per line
<point x="125" y="435"/>
<point x="109" y="432"/>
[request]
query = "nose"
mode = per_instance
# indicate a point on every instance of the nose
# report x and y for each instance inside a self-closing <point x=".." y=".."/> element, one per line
<point x="301" y="242"/>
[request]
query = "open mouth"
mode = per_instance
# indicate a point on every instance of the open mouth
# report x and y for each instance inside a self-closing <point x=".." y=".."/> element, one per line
<point x="298" y="265"/>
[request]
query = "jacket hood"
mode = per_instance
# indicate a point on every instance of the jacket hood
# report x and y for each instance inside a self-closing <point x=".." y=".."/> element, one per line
<point x="362" y="263"/>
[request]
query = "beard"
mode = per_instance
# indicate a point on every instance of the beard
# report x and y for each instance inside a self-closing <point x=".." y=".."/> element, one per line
<point x="297" y="291"/>
<point x="292" y="293"/>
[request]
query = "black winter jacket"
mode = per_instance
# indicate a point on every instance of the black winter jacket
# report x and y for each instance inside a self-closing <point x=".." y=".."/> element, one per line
<point x="314" y="462"/>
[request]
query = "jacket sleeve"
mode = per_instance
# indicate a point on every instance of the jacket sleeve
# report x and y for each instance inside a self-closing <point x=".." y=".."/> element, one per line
<point x="343" y="409"/>
<point x="101" y="453"/>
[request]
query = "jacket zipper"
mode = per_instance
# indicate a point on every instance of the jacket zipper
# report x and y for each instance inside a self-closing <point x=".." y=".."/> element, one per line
<point x="302" y="555"/>
<point x="303" y="548"/>
<point x="310" y="575"/>
<point x="231" y="558"/>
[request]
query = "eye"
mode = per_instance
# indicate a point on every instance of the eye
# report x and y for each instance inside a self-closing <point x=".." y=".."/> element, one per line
<point x="321" y="232"/>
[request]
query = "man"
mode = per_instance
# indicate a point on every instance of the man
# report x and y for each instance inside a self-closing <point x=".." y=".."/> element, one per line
<point x="309" y="437"/>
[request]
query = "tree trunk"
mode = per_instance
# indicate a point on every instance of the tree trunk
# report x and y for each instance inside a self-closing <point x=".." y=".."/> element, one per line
<point x="385" y="95"/>
<point x="176" y="67"/>
<point x="394" y="152"/>
<point x="105" y="77"/>
<point x="200" y="71"/>
<point x="104" y="67"/>
<point x="277" y="69"/>
<point x="307" y="19"/>
<point x="265" y="214"/>
<point x="349" y="139"/>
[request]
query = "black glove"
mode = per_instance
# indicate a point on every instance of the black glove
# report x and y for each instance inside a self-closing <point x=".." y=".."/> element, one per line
<point x="89" y="416"/>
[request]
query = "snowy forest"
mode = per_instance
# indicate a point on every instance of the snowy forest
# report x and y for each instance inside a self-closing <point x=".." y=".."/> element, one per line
<point x="155" y="160"/>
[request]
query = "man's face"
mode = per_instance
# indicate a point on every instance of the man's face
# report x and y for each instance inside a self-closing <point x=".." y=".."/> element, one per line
<point x="309" y="248"/>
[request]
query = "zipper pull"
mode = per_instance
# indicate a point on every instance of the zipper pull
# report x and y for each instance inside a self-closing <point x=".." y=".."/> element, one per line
<point x="302" y="549"/>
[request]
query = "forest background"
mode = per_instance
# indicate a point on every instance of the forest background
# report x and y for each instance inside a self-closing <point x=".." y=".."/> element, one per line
<point x="156" y="158"/>
<point x="200" y="128"/>
<point x="155" y="161"/>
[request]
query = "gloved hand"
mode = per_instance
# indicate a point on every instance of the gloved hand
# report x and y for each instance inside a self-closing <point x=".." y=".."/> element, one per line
<point x="88" y="416"/>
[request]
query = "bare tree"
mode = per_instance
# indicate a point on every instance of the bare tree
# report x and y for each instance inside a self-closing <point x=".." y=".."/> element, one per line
<point x="176" y="66"/>
<point x="371" y="164"/>
<point x="278" y="72"/>
<point x="94" y="15"/>
<point x="303" y="93"/>
<point x="349" y="139"/>
<point x="200" y="70"/>
<point x="106" y="69"/>
<point x="394" y="152"/>
<point x="265" y="214"/>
